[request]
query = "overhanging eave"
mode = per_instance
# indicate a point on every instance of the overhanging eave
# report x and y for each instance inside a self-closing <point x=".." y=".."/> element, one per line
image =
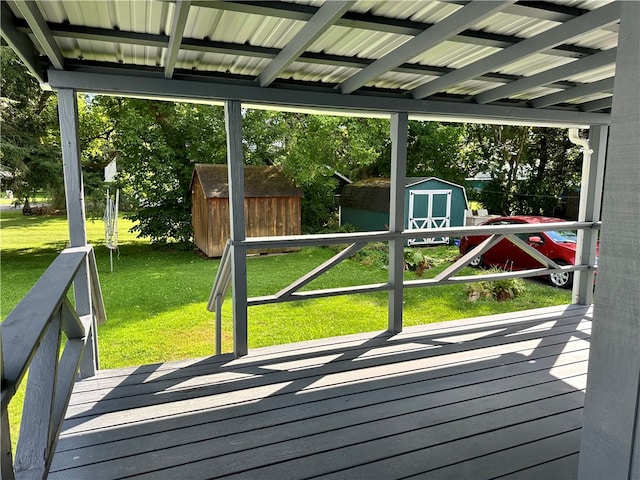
<point x="200" y="91"/>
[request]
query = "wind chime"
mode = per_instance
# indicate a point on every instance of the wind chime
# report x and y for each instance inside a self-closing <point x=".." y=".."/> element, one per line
<point x="111" y="224"/>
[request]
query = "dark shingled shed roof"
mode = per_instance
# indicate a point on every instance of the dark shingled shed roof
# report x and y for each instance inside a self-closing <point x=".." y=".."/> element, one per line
<point x="374" y="193"/>
<point x="259" y="181"/>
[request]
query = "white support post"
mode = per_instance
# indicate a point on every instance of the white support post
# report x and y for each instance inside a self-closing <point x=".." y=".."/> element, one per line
<point x="399" y="130"/>
<point x="74" y="190"/>
<point x="610" y="445"/>
<point x="589" y="211"/>
<point x="233" y="123"/>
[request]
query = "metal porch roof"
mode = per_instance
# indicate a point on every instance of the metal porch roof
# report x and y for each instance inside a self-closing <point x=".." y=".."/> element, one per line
<point x="526" y="61"/>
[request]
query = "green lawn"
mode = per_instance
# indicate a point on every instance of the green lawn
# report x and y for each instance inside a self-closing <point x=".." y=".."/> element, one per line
<point x="156" y="298"/>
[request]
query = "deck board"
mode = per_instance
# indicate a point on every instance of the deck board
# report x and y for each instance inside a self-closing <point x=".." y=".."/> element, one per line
<point x="477" y="398"/>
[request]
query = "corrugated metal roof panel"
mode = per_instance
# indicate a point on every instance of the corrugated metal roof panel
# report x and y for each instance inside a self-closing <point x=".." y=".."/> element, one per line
<point x="248" y="35"/>
<point x="586" y="98"/>
<point x="594" y="75"/>
<point x="357" y="42"/>
<point x="454" y="54"/>
<point x="517" y="25"/>
<point x="534" y="64"/>
<point x="318" y="73"/>
<point x="598" y="39"/>
<point x="404" y="81"/>
<point x="532" y="93"/>
<point x="471" y="87"/>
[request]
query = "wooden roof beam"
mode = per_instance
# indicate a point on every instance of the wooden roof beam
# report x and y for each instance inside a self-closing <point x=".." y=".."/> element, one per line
<point x="20" y="43"/>
<point x="38" y="25"/>
<point x="549" y="76"/>
<point x="316" y="26"/>
<point x="605" y="85"/>
<point x="596" y="105"/>
<point x="458" y="21"/>
<point x="562" y="33"/>
<point x="180" y="15"/>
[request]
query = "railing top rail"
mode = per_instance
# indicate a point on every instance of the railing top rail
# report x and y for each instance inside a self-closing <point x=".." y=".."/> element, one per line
<point x="223" y="277"/>
<point x="383" y="236"/>
<point x="23" y="329"/>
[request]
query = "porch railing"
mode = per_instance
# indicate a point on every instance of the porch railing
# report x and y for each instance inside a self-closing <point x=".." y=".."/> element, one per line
<point x="31" y="339"/>
<point x="219" y="292"/>
<point x="356" y="241"/>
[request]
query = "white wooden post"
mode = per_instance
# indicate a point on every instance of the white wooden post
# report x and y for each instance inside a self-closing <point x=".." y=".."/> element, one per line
<point x="399" y="129"/>
<point x="611" y="433"/>
<point x="233" y="122"/>
<point x="589" y="211"/>
<point x="74" y="190"/>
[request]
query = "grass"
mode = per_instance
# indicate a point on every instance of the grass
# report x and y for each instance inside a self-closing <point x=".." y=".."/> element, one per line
<point x="156" y="298"/>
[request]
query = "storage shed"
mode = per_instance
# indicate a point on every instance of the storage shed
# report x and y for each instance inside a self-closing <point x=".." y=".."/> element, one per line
<point x="271" y="203"/>
<point x="429" y="203"/>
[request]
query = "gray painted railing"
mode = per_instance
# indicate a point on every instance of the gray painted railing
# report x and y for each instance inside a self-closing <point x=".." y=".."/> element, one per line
<point x="219" y="291"/>
<point x="31" y="339"/>
<point x="356" y="241"/>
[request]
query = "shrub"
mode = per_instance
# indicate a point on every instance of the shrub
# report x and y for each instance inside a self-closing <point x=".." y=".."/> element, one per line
<point x="416" y="261"/>
<point x="500" y="290"/>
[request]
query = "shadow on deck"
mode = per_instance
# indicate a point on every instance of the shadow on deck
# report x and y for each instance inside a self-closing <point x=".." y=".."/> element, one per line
<point x="478" y="398"/>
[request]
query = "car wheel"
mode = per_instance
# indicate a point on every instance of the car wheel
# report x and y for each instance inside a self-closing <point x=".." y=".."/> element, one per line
<point x="477" y="262"/>
<point x="561" y="279"/>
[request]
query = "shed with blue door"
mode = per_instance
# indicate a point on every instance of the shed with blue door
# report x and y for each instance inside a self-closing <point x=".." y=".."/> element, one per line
<point x="429" y="203"/>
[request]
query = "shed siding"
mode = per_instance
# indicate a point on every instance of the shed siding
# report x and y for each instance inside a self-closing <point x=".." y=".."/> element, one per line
<point x="201" y="236"/>
<point x="271" y="205"/>
<point x="264" y="217"/>
<point x="365" y="220"/>
<point x="367" y="206"/>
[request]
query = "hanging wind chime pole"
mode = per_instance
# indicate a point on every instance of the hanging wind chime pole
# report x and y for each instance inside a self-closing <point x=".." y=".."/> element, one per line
<point x="111" y="225"/>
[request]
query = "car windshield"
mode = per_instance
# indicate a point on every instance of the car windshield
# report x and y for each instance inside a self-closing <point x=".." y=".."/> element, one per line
<point x="563" y="236"/>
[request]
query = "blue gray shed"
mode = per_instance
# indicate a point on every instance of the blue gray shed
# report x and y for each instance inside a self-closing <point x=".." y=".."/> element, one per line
<point x="429" y="203"/>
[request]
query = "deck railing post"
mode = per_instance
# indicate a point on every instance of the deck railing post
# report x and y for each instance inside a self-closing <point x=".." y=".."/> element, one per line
<point x="74" y="191"/>
<point x="399" y="129"/>
<point x="610" y="441"/>
<point x="589" y="210"/>
<point x="6" y="456"/>
<point x="233" y="123"/>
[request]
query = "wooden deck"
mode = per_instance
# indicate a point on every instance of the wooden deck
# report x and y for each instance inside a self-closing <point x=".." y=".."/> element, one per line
<point x="482" y="398"/>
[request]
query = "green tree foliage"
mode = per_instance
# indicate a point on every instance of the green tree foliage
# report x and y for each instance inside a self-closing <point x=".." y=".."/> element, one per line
<point x="555" y="169"/>
<point x="317" y="146"/>
<point x="28" y="128"/>
<point x="530" y="167"/>
<point x="437" y="150"/>
<point x="156" y="144"/>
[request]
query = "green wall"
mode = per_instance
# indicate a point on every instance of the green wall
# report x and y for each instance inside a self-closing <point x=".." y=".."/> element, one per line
<point x="365" y="220"/>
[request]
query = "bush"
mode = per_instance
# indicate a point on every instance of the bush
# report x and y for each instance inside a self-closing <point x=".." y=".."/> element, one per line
<point x="416" y="261"/>
<point x="500" y="290"/>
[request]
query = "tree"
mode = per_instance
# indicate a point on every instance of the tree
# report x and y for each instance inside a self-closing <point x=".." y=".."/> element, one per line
<point x="28" y="125"/>
<point x="556" y="166"/>
<point x="317" y="146"/>
<point x="437" y="150"/>
<point x="530" y="167"/>
<point x="156" y="144"/>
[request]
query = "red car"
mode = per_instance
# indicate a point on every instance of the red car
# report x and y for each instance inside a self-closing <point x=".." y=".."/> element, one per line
<point x="558" y="246"/>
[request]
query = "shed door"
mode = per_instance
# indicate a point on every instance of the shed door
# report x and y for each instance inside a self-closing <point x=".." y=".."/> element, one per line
<point x="429" y="209"/>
